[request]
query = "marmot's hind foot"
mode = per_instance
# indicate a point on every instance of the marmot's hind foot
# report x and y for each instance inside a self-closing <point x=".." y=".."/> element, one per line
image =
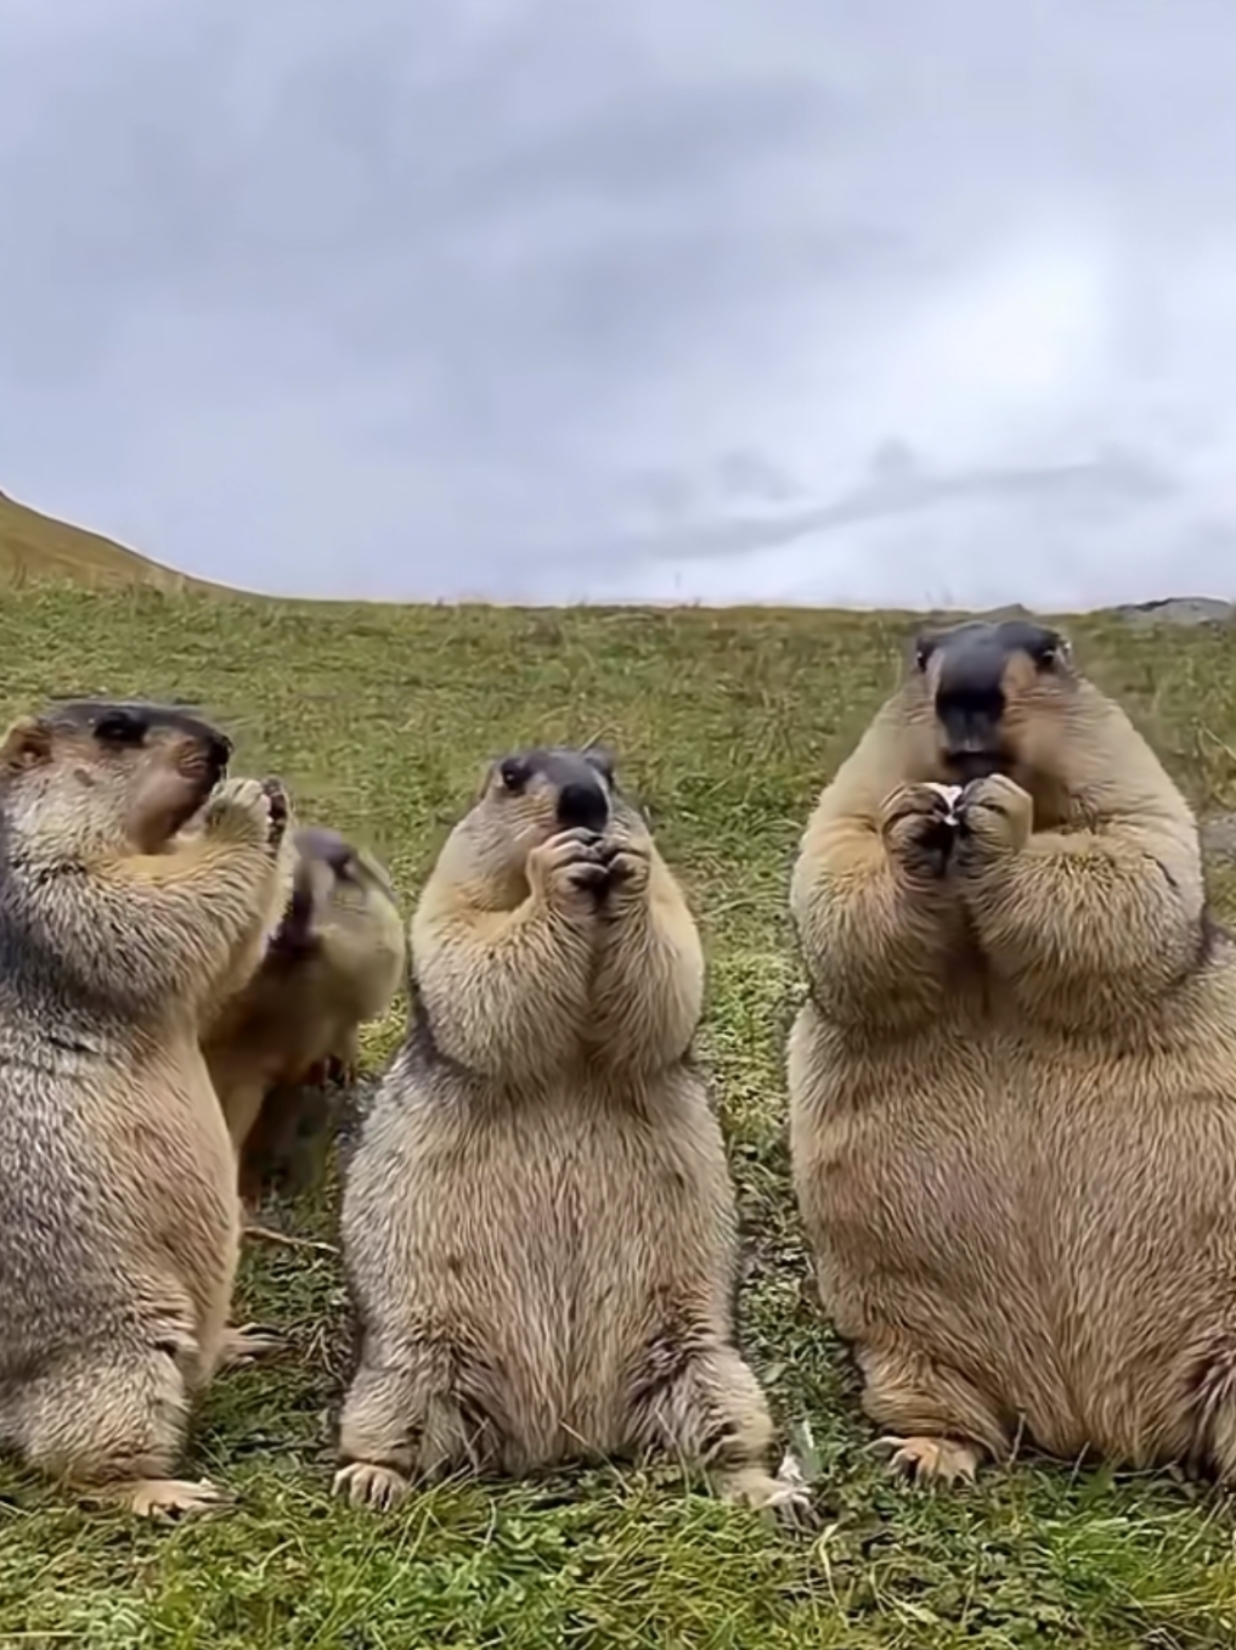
<point x="787" y="1504"/>
<point x="246" y="1345"/>
<point x="932" y="1459"/>
<point x="164" y="1498"/>
<point x="366" y="1484"/>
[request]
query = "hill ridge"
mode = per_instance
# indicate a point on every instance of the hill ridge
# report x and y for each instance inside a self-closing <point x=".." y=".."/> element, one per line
<point x="38" y="548"/>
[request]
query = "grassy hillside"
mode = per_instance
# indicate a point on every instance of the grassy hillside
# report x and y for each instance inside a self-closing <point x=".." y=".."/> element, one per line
<point x="37" y="549"/>
<point x="728" y="723"/>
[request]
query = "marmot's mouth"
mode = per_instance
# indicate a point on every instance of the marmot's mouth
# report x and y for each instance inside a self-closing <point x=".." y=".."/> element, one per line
<point x="972" y="765"/>
<point x="201" y="779"/>
<point x="205" y="772"/>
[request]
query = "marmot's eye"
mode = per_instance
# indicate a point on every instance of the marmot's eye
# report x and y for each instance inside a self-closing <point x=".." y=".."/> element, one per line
<point x="119" y="728"/>
<point x="514" y="773"/>
<point x="1051" y="652"/>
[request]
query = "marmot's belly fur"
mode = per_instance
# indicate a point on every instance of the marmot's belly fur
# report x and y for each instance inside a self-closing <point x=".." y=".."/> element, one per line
<point x="552" y="1280"/>
<point x="131" y="1262"/>
<point x="1059" y="1230"/>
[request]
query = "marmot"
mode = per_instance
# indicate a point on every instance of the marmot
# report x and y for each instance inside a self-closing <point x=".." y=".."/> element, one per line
<point x="538" y="1224"/>
<point x="336" y="961"/>
<point x="115" y="1290"/>
<point x="1013" y="1086"/>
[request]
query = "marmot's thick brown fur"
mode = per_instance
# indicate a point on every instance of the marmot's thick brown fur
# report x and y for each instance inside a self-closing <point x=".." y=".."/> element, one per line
<point x="119" y="1221"/>
<point x="1013" y="1087"/>
<point x="538" y="1219"/>
<point x="336" y="961"/>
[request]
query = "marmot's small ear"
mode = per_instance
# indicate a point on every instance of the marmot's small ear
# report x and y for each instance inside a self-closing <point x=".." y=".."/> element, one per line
<point x="603" y="759"/>
<point x="27" y="743"/>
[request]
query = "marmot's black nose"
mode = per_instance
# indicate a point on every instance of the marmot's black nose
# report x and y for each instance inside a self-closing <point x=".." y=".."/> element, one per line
<point x="220" y="751"/>
<point x="583" y="806"/>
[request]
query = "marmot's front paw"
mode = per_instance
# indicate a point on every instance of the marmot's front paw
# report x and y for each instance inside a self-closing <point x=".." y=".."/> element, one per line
<point x="280" y="808"/>
<point x="239" y="809"/>
<point x="914" y="823"/>
<point x="628" y="860"/>
<point x="567" y="871"/>
<point x="994" y="816"/>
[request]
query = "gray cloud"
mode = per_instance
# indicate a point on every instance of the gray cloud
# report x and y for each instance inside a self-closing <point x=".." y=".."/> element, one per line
<point x="545" y="299"/>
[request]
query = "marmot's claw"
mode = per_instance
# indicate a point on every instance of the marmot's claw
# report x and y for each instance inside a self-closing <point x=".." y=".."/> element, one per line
<point x="277" y="801"/>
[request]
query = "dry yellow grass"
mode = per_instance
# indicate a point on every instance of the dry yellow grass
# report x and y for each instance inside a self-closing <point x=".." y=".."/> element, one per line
<point x="38" y="549"/>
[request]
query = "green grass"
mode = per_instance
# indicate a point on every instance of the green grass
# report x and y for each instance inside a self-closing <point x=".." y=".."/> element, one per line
<point x="727" y="723"/>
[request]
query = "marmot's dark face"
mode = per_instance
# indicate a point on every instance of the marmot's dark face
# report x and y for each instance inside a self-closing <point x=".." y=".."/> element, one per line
<point x="126" y="767"/>
<point x="995" y="691"/>
<point x="318" y="843"/>
<point x="324" y="860"/>
<point x="538" y="792"/>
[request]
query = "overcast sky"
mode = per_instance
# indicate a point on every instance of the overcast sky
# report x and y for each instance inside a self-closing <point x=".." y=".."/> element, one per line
<point x="903" y="300"/>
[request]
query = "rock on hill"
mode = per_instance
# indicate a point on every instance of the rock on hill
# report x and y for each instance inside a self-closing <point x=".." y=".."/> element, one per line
<point x="35" y="548"/>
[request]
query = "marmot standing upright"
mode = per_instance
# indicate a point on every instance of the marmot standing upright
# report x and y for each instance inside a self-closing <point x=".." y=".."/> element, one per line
<point x="335" y="962"/>
<point x="115" y="1292"/>
<point x="538" y="1222"/>
<point x="1013" y="1086"/>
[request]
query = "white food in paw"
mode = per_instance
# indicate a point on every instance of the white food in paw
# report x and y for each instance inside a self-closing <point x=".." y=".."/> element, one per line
<point x="950" y="793"/>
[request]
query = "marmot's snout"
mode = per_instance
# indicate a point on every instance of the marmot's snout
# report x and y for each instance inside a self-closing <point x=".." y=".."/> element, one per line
<point x="583" y="804"/>
<point x="200" y="758"/>
<point x="969" y="712"/>
<point x="218" y="755"/>
<point x="294" y="938"/>
<point x="970" y="663"/>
